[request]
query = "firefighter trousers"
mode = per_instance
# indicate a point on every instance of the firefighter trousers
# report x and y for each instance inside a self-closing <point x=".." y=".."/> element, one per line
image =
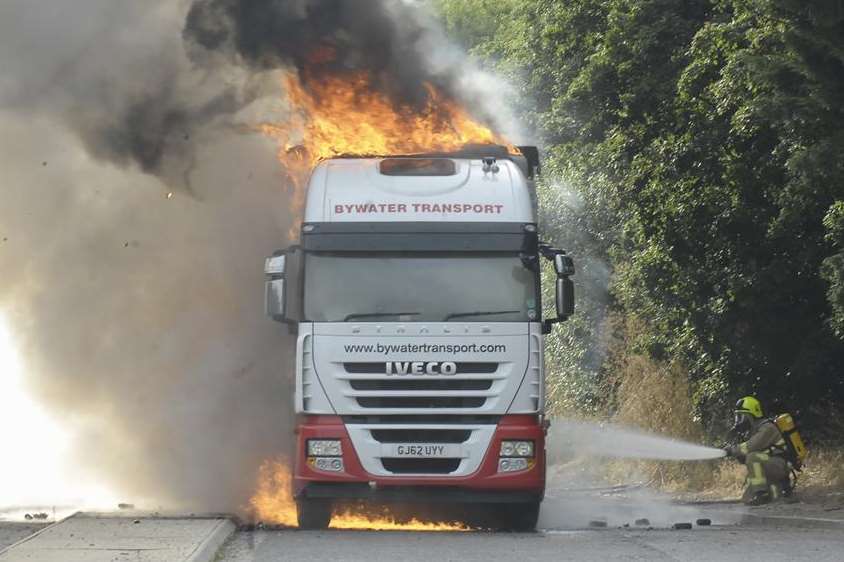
<point x="766" y="473"/>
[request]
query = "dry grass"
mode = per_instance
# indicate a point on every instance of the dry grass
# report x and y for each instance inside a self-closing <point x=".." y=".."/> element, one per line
<point x="726" y="482"/>
<point x="656" y="397"/>
<point x="823" y="473"/>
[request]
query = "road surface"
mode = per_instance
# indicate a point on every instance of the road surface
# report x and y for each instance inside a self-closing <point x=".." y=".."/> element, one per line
<point x="575" y="525"/>
<point x="737" y="534"/>
<point x="739" y="544"/>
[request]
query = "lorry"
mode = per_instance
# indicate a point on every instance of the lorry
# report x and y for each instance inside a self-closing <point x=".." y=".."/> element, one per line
<point x="414" y="296"/>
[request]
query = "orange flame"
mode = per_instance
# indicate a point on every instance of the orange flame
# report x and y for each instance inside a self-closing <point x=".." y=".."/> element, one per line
<point x="273" y="500"/>
<point x="273" y="504"/>
<point x="344" y="115"/>
<point x="359" y="521"/>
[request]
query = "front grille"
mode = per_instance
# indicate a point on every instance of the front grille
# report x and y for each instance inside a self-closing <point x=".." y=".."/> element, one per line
<point x="468" y="388"/>
<point x="421" y="466"/>
<point x="381" y="368"/>
<point x="420" y="402"/>
<point x="422" y="419"/>
<point x="421" y="435"/>
<point x="415" y="384"/>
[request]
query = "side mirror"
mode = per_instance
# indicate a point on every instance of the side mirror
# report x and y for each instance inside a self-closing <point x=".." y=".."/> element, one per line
<point x="274" y="295"/>
<point x="565" y="298"/>
<point x="563" y="265"/>
<point x="283" y="285"/>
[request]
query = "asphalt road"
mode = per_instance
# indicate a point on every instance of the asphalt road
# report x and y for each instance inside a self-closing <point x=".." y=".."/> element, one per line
<point x="737" y="533"/>
<point x="781" y="532"/>
<point x="730" y="543"/>
<point x="12" y="532"/>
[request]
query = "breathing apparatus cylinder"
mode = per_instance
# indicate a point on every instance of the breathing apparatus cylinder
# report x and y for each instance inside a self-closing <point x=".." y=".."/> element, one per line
<point x="794" y="442"/>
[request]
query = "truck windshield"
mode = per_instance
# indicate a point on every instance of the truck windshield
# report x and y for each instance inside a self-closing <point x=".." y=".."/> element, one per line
<point x="423" y="287"/>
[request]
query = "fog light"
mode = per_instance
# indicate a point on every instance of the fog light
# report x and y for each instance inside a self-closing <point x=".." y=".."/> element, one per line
<point x="512" y="465"/>
<point x="328" y="464"/>
<point x="324" y="448"/>
<point x="516" y="449"/>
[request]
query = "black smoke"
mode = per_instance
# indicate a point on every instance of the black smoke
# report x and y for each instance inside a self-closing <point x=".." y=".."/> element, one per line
<point x="116" y="76"/>
<point x="142" y="84"/>
<point x="383" y="38"/>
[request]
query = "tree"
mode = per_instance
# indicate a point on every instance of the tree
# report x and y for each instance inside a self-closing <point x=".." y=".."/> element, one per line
<point x="703" y="139"/>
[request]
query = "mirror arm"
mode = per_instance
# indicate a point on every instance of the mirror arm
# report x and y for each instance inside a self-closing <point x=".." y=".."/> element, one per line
<point x="548" y="325"/>
<point x="548" y="251"/>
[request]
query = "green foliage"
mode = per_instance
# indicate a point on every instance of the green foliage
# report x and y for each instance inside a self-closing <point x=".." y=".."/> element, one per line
<point x="474" y="22"/>
<point x="704" y="142"/>
<point x="833" y="266"/>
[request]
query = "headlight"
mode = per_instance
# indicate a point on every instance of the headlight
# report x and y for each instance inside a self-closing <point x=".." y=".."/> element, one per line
<point x="512" y="465"/>
<point x="324" y="448"/>
<point x="516" y="449"/>
<point x="328" y="464"/>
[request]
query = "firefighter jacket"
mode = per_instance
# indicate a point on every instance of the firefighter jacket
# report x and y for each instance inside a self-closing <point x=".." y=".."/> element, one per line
<point x="765" y="437"/>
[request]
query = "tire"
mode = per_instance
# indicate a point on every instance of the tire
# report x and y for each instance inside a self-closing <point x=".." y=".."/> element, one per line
<point x="521" y="517"/>
<point x="313" y="514"/>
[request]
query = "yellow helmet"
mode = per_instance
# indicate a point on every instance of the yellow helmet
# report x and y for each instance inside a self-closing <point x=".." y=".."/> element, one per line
<point x="749" y="405"/>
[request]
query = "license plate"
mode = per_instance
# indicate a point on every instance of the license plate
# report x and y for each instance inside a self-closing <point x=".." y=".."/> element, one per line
<point x="424" y="450"/>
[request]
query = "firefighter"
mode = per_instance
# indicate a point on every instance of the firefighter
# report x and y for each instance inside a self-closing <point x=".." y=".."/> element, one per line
<point x="763" y="454"/>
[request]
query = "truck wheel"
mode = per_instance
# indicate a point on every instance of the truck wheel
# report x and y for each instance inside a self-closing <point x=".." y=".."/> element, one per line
<point x="521" y="517"/>
<point x="313" y="514"/>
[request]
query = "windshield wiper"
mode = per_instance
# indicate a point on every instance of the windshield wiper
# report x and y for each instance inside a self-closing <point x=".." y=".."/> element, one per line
<point x="377" y="314"/>
<point x="479" y="313"/>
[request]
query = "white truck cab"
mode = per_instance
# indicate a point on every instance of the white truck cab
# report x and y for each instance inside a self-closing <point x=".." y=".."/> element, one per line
<point x="414" y="295"/>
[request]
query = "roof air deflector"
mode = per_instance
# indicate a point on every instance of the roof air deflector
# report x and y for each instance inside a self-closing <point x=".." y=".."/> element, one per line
<point x="417" y="167"/>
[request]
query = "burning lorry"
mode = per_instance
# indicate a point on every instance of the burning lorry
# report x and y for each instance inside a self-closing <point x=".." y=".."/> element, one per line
<point x="414" y="295"/>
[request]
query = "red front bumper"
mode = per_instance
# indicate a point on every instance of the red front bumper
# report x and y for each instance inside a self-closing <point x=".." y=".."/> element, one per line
<point x="486" y="481"/>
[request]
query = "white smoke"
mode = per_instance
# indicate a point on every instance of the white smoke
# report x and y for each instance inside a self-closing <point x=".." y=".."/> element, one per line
<point x="136" y="207"/>
<point x="139" y="317"/>
<point x="577" y="496"/>
<point x="138" y="314"/>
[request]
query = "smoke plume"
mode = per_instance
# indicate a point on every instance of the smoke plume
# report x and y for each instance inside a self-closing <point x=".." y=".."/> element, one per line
<point x="393" y="42"/>
<point x="137" y="205"/>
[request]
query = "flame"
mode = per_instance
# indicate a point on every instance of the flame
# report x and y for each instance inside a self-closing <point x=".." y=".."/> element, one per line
<point x="273" y="500"/>
<point x="350" y="520"/>
<point x="273" y="504"/>
<point x="334" y="115"/>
